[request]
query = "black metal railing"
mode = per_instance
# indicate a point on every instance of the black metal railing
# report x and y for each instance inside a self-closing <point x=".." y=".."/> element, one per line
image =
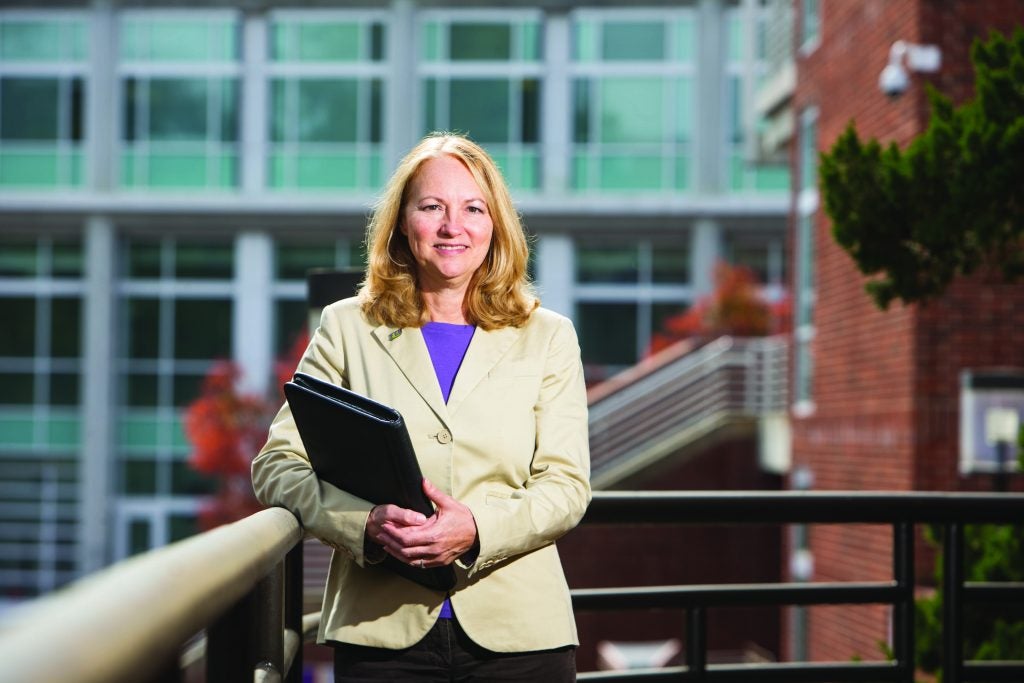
<point x="904" y="511"/>
<point x="232" y="597"/>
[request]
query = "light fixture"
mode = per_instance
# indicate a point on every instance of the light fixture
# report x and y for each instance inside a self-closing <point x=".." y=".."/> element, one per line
<point x="894" y="79"/>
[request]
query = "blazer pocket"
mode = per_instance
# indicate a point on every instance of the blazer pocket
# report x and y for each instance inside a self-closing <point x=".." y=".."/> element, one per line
<point x="502" y="501"/>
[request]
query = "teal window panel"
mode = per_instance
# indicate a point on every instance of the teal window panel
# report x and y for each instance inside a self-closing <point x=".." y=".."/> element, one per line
<point x="581" y="165"/>
<point x="294" y="261"/>
<point x="186" y="481"/>
<point x="178" y="109"/>
<point x="328" y="110"/>
<point x="481" y="108"/>
<point x="737" y="173"/>
<point x="328" y="171"/>
<point x="143" y="315"/>
<point x="607" y="264"/>
<point x="479" y="42"/>
<point x="631" y="172"/>
<point x="29" y="168"/>
<point x="330" y="41"/>
<point x="581" y="89"/>
<point x="685" y="40"/>
<point x="19" y="320"/>
<point x="139" y="431"/>
<point x="63" y="431"/>
<point x="431" y="46"/>
<point x="202" y="328"/>
<point x="634" y="41"/>
<point x="530" y="41"/>
<point x="772" y="178"/>
<point x="670" y="264"/>
<point x="141" y="390"/>
<point x="607" y="333"/>
<point x="43" y="40"/>
<point x="17" y="388"/>
<point x="584" y="41"/>
<point x="210" y="261"/>
<point x="187" y="388"/>
<point x="684" y="109"/>
<point x="138" y="477"/>
<point x="632" y="109"/>
<point x="143" y="260"/>
<point x="280" y="169"/>
<point x="179" y="40"/>
<point x="734" y="39"/>
<point x="29" y="108"/>
<point x="683" y="172"/>
<point x="17" y="429"/>
<point x="64" y="389"/>
<point x="66" y="260"/>
<point x="181" y="526"/>
<point x="375" y="166"/>
<point x="177" y="170"/>
<point x="18" y="258"/>
<point x="179" y="441"/>
<point x="65" y="327"/>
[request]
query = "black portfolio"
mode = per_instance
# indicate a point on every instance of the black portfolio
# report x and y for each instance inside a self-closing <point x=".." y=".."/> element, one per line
<point x="362" y="446"/>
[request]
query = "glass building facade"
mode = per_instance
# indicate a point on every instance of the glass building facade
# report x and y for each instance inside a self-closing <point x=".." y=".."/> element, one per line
<point x="168" y="175"/>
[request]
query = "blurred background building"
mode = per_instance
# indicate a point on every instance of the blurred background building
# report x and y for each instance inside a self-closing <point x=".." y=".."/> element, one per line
<point x="169" y="172"/>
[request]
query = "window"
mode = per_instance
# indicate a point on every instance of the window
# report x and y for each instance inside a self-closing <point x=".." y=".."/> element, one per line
<point x="179" y="75"/>
<point x="745" y="66"/>
<point x="624" y="293"/>
<point x="810" y="25"/>
<point x="176" y="307"/>
<point x="327" y="76"/>
<point x="40" y="409"/>
<point x="481" y="76"/>
<point x="294" y="259"/>
<point x="633" y="100"/>
<point x="807" y="206"/>
<point x="43" y="66"/>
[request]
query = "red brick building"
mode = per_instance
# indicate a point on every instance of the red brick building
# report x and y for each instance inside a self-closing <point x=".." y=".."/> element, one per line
<point x="878" y="393"/>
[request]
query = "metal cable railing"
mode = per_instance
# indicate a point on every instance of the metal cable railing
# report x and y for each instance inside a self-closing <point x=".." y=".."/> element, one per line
<point x="727" y="380"/>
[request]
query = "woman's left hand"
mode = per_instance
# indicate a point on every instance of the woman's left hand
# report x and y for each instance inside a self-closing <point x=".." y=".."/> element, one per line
<point x="439" y="541"/>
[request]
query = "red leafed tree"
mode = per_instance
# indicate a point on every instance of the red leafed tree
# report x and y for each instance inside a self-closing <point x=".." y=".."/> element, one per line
<point x="735" y="307"/>
<point x="226" y="428"/>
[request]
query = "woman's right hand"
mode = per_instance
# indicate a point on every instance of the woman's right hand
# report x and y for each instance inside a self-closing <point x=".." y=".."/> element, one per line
<point x="385" y="520"/>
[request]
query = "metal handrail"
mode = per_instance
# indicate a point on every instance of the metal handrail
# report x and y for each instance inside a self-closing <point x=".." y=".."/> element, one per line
<point x="130" y="621"/>
<point x="728" y="380"/>
<point x="242" y="583"/>
<point x="903" y="510"/>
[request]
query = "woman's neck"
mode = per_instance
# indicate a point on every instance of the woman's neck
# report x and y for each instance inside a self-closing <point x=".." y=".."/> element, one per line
<point x="445" y="306"/>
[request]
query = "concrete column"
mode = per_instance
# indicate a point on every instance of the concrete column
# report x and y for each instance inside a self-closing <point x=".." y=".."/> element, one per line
<point x="556" y="109"/>
<point x="705" y="252"/>
<point x="97" y="395"/>
<point x="252" y="328"/>
<point x="555" y="268"/>
<point x="253" y="148"/>
<point x="403" y="110"/>
<point x="103" y="117"/>
<point x="708" y="138"/>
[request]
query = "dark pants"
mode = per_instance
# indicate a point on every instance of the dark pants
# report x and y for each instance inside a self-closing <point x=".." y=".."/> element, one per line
<point x="447" y="654"/>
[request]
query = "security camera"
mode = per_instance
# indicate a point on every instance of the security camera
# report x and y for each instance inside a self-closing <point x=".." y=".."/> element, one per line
<point x="893" y="80"/>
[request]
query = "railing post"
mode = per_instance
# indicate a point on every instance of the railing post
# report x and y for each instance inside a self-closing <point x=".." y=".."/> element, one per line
<point x="249" y="634"/>
<point x="293" y="606"/>
<point x="952" y="603"/>
<point x="903" y="608"/>
<point x="696" y="643"/>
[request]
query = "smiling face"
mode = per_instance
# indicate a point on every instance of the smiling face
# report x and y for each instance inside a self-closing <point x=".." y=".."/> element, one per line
<point x="447" y="223"/>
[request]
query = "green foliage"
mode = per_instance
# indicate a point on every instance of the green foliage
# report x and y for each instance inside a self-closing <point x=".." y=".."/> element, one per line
<point x="948" y="204"/>
<point x="991" y="553"/>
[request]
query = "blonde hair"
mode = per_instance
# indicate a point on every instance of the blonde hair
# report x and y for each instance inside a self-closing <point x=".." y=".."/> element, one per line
<point x="500" y="293"/>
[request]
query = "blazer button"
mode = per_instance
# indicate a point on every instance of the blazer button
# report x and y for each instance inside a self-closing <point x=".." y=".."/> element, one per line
<point x="444" y="436"/>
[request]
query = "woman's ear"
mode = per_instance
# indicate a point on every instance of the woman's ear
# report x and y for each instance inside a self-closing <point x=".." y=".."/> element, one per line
<point x="402" y="228"/>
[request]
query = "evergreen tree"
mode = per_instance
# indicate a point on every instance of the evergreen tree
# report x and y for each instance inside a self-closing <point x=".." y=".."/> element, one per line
<point x="949" y="204"/>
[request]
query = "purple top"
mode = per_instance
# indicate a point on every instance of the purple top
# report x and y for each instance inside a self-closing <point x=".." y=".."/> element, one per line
<point x="447" y="344"/>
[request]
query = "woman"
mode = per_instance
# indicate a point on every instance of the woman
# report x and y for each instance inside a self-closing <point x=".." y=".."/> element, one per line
<point x="446" y="330"/>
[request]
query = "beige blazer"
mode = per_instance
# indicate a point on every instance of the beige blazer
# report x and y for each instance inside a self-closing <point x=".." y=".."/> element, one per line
<point x="511" y="444"/>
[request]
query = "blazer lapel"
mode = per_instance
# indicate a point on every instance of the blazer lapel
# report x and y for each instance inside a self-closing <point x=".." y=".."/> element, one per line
<point x="484" y="352"/>
<point x="407" y="348"/>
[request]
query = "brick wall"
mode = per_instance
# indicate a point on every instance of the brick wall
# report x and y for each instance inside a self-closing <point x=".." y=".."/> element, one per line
<point x="885" y="384"/>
